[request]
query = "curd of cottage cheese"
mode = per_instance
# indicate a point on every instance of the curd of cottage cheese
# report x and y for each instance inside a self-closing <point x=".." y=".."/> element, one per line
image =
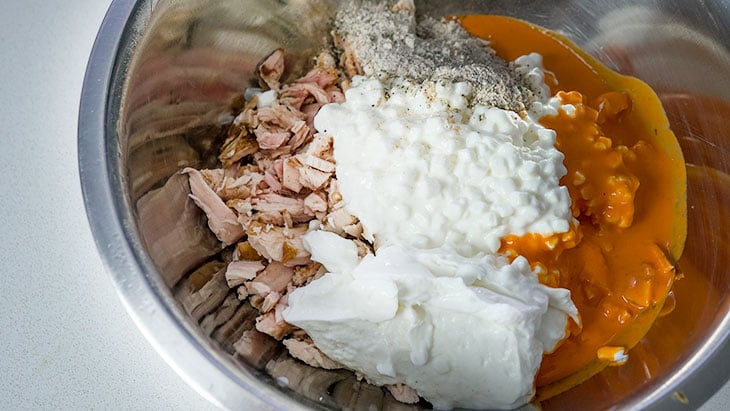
<point x="420" y="167"/>
<point x="463" y="331"/>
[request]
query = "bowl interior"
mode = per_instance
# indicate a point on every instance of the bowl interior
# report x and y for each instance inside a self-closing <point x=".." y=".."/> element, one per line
<point x="178" y="68"/>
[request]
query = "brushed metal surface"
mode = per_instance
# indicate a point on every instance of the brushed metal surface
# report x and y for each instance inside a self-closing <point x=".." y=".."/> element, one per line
<point x="157" y="96"/>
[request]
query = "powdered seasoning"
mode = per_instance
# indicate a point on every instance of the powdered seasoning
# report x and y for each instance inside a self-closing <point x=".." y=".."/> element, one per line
<point x="389" y="42"/>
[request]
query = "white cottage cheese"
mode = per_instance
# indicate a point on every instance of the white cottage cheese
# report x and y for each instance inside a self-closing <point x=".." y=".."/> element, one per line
<point x="418" y="166"/>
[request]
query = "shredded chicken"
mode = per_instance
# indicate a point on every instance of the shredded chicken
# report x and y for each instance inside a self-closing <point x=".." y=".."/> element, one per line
<point x="268" y="324"/>
<point x="221" y="219"/>
<point x="273" y="278"/>
<point x="403" y="393"/>
<point x="270" y="69"/>
<point x="276" y="176"/>
<point x="308" y="353"/>
<point x="238" y="272"/>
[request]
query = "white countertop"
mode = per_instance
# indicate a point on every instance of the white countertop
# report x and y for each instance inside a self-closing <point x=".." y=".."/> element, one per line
<point x="67" y="342"/>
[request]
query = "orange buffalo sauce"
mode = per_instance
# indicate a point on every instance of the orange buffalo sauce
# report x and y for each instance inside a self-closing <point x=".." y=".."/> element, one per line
<point x="627" y="182"/>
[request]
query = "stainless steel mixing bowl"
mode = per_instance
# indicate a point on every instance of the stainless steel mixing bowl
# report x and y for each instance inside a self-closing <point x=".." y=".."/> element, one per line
<point x="156" y="98"/>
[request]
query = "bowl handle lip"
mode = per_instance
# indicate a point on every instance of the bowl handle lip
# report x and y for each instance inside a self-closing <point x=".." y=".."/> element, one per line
<point x="114" y="232"/>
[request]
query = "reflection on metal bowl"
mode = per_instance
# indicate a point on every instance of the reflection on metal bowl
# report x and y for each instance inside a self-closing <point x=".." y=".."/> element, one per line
<point x="157" y="96"/>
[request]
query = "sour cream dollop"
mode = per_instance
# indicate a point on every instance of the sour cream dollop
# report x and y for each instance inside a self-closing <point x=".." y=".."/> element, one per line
<point x="463" y="331"/>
